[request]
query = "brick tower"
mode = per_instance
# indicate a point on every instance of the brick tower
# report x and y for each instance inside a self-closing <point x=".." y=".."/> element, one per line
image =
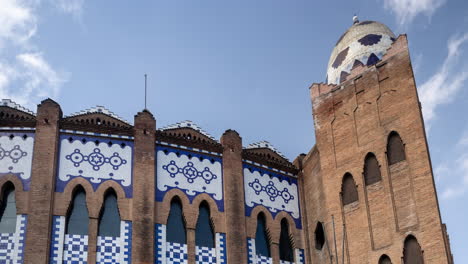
<point x="370" y="195"/>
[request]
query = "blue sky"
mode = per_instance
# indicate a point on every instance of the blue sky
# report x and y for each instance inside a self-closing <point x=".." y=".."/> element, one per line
<point x="245" y="65"/>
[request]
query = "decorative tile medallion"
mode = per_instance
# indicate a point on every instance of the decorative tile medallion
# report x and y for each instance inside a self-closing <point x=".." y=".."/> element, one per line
<point x="191" y="172"/>
<point x="16" y="151"/>
<point x="96" y="160"/>
<point x="272" y="190"/>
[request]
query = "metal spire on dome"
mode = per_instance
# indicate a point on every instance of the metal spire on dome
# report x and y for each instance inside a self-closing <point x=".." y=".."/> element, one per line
<point x="355" y="19"/>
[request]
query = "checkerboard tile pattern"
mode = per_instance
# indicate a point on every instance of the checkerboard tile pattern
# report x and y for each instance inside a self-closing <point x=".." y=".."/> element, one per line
<point x="12" y="244"/>
<point x="205" y="255"/>
<point x="264" y="260"/>
<point x="160" y="244"/>
<point x="7" y="248"/>
<point x="285" y="262"/>
<point x="108" y="250"/>
<point x="221" y="252"/>
<point x="115" y="250"/>
<point x="176" y="253"/>
<point x="75" y="249"/>
<point x="300" y="256"/>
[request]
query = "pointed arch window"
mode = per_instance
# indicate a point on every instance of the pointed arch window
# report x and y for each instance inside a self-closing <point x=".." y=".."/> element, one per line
<point x="77" y="217"/>
<point x="384" y="259"/>
<point x="412" y="253"/>
<point x="371" y="170"/>
<point x="176" y="232"/>
<point x="262" y="245"/>
<point x="8" y="210"/>
<point x="319" y="236"/>
<point x="285" y="245"/>
<point x="395" y="149"/>
<point x="204" y="235"/>
<point x="349" y="191"/>
<point x="109" y="219"/>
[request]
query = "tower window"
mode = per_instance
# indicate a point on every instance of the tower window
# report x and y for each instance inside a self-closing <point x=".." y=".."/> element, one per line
<point x="384" y="259"/>
<point x="262" y="245"/>
<point x="8" y="210"/>
<point x="109" y="220"/>
<point x="319" y="236"/>
<point x="349" y="191"/>
<point x="412" y="253"/>
<point x="77" y="218"/>
<point x="175" y="223"/>
<point x="395" y="149"/>
<point x="204" y="235"/>
<point x="371" y="170"/>
<point x="285" y="245"/>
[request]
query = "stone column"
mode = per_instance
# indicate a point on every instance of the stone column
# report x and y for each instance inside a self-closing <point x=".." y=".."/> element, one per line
<point x="275" y="257"/>
<point x="234" y="202"/>
<point x="191" y="245"/>
<point x="41" y="193"/>
<point x="92" y="239"/>
<point x="143" y="188"/>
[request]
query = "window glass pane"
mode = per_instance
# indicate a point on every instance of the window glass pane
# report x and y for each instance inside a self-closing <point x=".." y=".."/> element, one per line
<point x="109" y="222"/>
<point x="8" y="211"/>
<point x="412" y="252"/>
<point x="395" y="149"/>
<point x="349" y="190"/>
<point x="371" y="170"/>
<point x="77" y="220"/>
<point x="175" y="224"/>
<point x="262" y="246"/>
<point x="286" y="251"/>
<point x="204" y="235"/>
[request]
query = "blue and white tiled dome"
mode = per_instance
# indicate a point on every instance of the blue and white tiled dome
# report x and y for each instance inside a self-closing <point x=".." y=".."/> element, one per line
<point x="364" y="43"/>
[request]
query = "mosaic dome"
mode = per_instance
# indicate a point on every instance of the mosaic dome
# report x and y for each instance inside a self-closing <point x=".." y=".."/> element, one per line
<point x="364" y="43"/>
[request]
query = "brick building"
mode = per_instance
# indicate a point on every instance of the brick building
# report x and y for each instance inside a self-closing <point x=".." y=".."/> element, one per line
<point x="92" y="188"/>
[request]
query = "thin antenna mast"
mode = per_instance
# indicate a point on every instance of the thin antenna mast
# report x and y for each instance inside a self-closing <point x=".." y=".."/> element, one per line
<point x="145" y="89"/>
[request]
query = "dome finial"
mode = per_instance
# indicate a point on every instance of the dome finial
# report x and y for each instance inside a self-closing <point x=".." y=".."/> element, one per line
<point x="355" y="19"/>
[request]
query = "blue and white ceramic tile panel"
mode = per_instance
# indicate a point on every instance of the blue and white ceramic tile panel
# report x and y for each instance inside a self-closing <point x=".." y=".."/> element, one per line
<point x="221" y="251"/>
<point x="205" y="255"/>
<point x="191" y="172"/>
<point x="299" y="256"/>
<point x="272" y="190"/>
<point x="75" y="249"/>
<point x="12" y="244"/>
<point x="16" y="151"/>
<point x="65" y="248"/>
<point x="176" y="253"/>
<point x="160" y="244"/>
<point x="252" y="256"/>
<point x="115" y="250"/>
<point x="96" y="160"/>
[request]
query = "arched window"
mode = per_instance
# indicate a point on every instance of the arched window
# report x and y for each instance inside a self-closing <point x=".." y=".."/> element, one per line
<point x="319" y="236"/>
<point x="412" y="253"/>
<point x="262" y="245"/>
<point x="8" y="210"/>
<point x="285" y="246"/>
<point x="109" y="220"/>
<point x="77" y="218"/>
<point x="175" y="232"/>
<point x="395" y="149"/>
<point x="349" y="191"/>
<point x="384" y="259"/>
<point x="371" y="170"/>
<point x="204" y="235"/>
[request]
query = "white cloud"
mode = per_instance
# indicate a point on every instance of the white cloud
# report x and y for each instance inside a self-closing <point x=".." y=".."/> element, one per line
<point x="447" y="81"/>
<point x="73" y="7"/>
<point x="456" y="170"/>
<point x="407" y="10"/>
<point x="25" y="74"/>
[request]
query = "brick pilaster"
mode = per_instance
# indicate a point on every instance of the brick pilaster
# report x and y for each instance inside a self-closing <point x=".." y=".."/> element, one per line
<point x="234" y="201"/>
<point x="143" y="188"/>
<point x="43" y="173"/>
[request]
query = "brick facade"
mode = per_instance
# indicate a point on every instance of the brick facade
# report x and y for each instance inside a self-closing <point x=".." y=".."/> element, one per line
<point x="148" y="167"/>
